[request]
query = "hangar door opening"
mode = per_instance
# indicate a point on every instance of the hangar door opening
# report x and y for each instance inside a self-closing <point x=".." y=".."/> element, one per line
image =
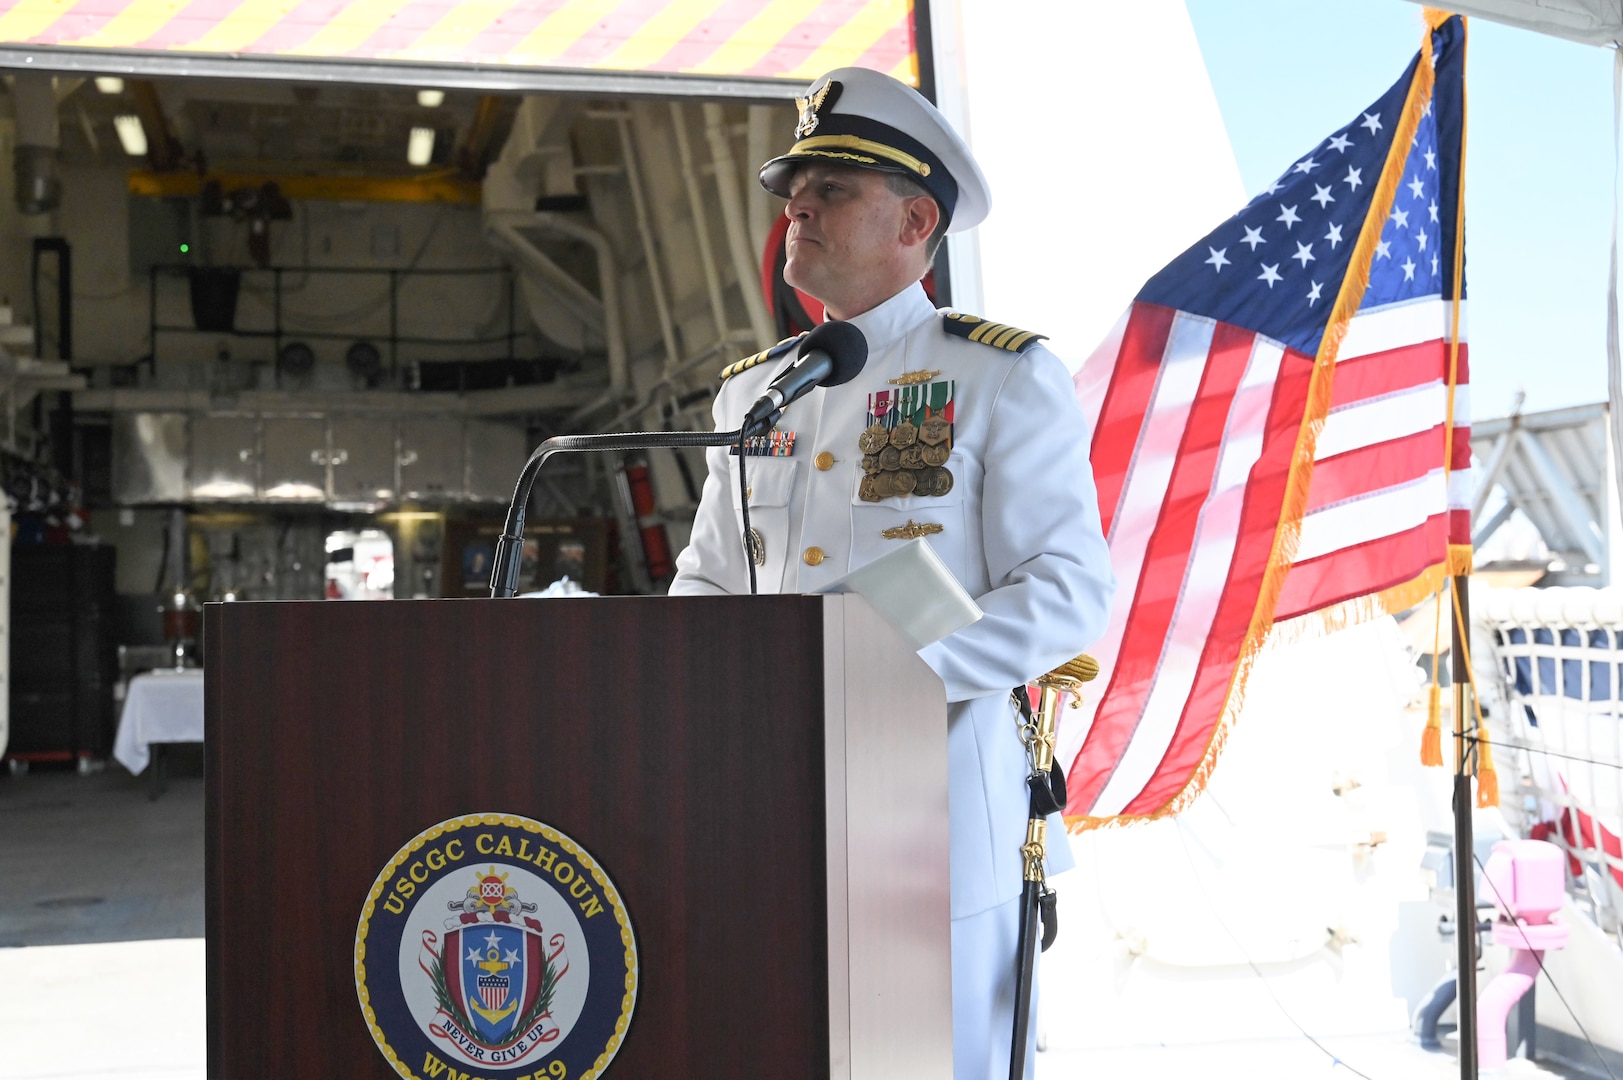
<point x="274" y="276"/>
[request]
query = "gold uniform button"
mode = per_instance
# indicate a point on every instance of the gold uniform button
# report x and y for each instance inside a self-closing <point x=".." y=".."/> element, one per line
<point x="813" y="556"/>
<point x="824" y="461"/>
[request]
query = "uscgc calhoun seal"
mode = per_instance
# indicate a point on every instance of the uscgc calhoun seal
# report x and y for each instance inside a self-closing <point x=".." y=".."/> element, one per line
<point x="493" y="946"/>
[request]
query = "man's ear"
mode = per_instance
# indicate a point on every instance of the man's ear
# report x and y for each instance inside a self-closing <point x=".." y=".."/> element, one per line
<point x="920" y="217"/>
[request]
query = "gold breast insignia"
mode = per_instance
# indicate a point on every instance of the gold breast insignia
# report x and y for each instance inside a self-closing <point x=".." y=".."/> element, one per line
<point x="913" y="530"/>
<point x="910" y="378"/>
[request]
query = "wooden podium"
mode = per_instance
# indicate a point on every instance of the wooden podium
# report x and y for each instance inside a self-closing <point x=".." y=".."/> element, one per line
<point x="764" y="779"/>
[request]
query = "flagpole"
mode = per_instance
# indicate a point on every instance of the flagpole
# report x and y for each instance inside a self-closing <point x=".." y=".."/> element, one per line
<point x="1459" y="655"/>
<point x="1464" y="851"/>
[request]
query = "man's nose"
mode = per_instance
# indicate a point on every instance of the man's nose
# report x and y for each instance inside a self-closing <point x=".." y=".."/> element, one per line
<point x="798" y="208"/>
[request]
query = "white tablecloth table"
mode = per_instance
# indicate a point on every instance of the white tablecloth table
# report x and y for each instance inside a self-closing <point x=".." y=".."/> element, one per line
<point x="159" y="707"/>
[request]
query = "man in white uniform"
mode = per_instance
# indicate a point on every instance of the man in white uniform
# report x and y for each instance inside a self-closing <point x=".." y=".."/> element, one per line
<point x="960" y="430"/>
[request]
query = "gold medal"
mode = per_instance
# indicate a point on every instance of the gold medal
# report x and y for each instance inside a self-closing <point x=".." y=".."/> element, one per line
<point x="890" y="459"/>
<point x="884" y="485"/>
<point x="936" y="454"/>
<point x="943" y="481"/>
<point x="869" y="490"/>
<point x="904" y="482"/>
<point x="870" y="463"/>
<point x="903" y="435"/>
<point x="913" y="457"/>
<point x="874" y="439"/>
<point x="935" y="431"/>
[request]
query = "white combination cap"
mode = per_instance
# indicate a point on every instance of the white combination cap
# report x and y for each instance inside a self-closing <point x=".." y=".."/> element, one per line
<point x="854" y="116"/>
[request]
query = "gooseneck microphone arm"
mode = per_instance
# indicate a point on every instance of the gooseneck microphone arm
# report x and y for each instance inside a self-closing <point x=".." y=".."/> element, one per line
<point x="831" y="355"/>
<point x="510" y="545"/>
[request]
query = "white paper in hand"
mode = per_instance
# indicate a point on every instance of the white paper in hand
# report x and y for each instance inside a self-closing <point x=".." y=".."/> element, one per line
<point x="915" y="592"/>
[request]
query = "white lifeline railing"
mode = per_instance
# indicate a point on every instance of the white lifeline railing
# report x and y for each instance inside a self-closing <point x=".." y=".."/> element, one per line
<point x="1558" y="656"/>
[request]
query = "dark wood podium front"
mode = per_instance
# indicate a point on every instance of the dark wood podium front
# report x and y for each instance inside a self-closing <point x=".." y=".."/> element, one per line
<point x="763" y="778"/>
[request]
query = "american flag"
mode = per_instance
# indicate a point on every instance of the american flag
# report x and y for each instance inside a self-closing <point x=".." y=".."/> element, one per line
<point x="1271" y="436"/>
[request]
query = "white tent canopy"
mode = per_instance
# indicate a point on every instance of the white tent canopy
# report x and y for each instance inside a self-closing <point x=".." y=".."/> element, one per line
<point x="1592" y="22"/>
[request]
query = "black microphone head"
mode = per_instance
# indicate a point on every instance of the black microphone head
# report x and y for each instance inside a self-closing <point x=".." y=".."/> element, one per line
<point x="844" y="345"/>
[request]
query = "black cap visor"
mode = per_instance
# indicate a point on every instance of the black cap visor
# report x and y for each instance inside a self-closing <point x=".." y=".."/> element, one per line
<point x="864" y="144"/>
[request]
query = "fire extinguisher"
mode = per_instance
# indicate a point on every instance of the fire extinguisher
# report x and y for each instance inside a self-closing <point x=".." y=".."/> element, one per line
<point x="656" y="546"/>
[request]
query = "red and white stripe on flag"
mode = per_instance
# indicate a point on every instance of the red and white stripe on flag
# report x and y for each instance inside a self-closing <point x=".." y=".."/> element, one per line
<point x="1251" y="491"/>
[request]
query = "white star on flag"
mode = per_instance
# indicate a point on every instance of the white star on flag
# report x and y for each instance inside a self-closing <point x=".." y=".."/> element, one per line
<point x="1433" y="209"/>
<point x="1334" y="236"/>
<point x="1217" y="262"/>
<point x="1287" y="214"/>
<point x="1270" y="274"/>
<point x="1322" y="196"/>
<point x="1303" y="252"/>
<point x="493" y="939"/>
<point x="1421" y="240"/>
<point x="1408" y="269"/>
<point x="1340" y="143"/>
<point x="1401" y="217"/>
<point x="1306" y="166"/>
<point x="1353" y="177"/>
<point x="1313" y="293"/>
<point x="512" y="956"/>
<point x="1252" y="237"/>
<point x="1383" y="249"/>
<point x="1417" y="187"/>
<point x="1431" y="160"/>
<point x="1372" y="122"/>
<point x="1434" y="264"/>
<point x="473" y="955"/>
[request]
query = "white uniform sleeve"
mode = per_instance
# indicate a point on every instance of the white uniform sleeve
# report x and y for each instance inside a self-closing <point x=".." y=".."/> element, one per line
<point x="1045" y="554"/>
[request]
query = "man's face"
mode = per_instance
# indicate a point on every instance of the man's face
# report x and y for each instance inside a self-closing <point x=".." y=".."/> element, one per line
<point x="849" y="236"/>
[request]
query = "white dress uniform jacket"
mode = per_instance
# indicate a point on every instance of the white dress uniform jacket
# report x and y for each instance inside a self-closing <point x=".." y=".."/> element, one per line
<point x="1020" y="529"/>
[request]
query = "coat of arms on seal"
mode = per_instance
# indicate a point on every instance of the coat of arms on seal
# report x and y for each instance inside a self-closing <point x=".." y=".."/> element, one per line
<point x="495" y="941"/>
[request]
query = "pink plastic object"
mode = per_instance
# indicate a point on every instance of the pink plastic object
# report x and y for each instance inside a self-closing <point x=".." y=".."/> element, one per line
<point x="1526" y="880"/>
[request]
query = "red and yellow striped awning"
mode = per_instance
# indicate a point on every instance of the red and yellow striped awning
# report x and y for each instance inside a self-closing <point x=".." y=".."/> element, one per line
<point x="787" y="39"/>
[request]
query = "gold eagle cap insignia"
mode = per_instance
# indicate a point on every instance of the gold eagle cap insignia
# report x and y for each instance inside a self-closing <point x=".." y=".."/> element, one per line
<point x="821" y="98"/>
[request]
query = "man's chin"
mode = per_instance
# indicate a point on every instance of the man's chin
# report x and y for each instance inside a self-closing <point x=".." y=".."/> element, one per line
<point x="798" y="277"/>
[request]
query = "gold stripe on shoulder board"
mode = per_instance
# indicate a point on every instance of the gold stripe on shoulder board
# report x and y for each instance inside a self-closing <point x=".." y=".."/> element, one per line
<point x="998" y="335"/>
<point x="761" y="357"/>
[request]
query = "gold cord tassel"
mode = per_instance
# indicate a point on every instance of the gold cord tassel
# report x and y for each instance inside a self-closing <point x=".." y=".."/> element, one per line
<point x="1487" y="780"/>
<point x="1431" y="740"/>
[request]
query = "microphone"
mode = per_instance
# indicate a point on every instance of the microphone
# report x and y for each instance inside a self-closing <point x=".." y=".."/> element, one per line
<point x="833" y="353"/>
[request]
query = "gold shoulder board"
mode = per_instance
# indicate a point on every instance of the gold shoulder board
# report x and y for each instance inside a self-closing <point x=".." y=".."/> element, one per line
<point x="759" y="358"/>
<point x="998" y="335"/>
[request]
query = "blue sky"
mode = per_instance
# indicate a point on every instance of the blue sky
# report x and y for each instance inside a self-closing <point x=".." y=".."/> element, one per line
<point x="1539" y="166"/>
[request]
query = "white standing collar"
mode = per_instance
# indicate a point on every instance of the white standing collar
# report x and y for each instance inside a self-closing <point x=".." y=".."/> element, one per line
<point x="894" y="319"/>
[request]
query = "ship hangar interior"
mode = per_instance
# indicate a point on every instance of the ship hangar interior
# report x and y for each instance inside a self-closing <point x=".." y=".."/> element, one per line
<point x="275" y="339"/>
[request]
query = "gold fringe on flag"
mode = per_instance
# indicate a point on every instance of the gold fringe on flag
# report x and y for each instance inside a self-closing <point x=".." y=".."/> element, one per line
<point x="1360" y="609"/>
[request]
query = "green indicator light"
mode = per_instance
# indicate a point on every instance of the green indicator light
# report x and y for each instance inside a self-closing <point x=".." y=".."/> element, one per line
<point x="184" y="248"/>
